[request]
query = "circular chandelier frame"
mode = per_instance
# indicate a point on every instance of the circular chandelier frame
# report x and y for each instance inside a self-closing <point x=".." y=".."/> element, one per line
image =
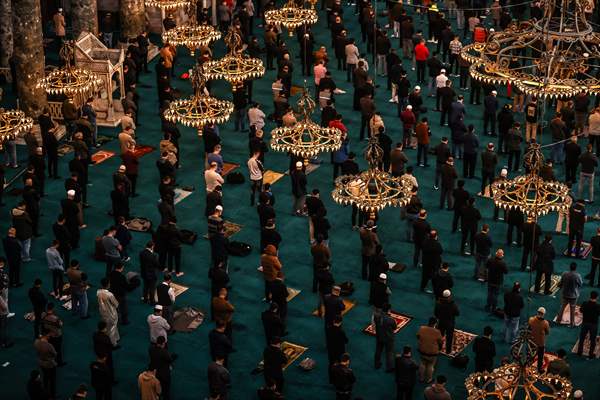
<point x="12" y="124"/>
<point x="167" y="5"/>
<point x="306" y="138"/>
<point x="291" y="17"/>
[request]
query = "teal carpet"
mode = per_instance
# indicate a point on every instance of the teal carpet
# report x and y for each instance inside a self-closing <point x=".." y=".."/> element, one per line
<point x="189" y="373"/>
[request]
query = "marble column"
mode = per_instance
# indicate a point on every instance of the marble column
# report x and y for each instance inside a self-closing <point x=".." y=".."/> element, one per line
<point x="133" y="17"/>
<point x="28" y="54"/>
<point x="84" y="16"/>
<point x="6" y="39"/>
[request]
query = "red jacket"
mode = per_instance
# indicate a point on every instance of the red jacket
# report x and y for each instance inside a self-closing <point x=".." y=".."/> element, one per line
<point x="408" y="119"/>
<point x="421" y="52"/>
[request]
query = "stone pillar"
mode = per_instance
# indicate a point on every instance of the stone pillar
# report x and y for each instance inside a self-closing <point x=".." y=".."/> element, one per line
<point x="28" y="54"/>
<point x="6" y="38"/>
<point x="84" y="16"/>
<point x="133" y="17"/>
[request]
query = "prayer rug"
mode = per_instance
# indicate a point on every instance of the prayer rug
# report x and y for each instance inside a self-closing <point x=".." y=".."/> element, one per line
<point x="460" y="341"/>
<point x="294" y="90"/>
<point x="584" y="251"/>
<point x="553" y="286"/>
<point x="101" y="139"/>
<point x="231" y="228"/>
<point x="396" y="267"/>
<point x="142" y="150"/>
<point x="64" y="149"/>
<point x="139" y="224"/>
<point x="292" y="353"/>
<point x="567" y="316"/>
<point x="187" y="319"/>
<point x="586" y="347"/>
<point x="548" y="357"/>
<point x="179" y="289"/>
<point x="271" y="177"/>
<point x="228" y="167"/>
<point x="101" y="156"/>
<point x="401" y="321"/>
<point x="181" y="194"/>
<point x="348" y="303"/>
<point x="291" y="291"/>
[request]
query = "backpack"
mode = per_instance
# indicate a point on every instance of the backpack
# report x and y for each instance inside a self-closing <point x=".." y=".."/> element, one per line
<point x="460" y="361"/>
<point x="239" y="249"/>
<point x="346" y="288"/>
<point x="188" y="237"/>
<point x="235" y="178"/>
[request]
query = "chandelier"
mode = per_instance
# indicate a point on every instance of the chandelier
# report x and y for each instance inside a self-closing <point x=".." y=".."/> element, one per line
<point x="13" y="123"/>
<point x="553" y="57"/>
<point x="530" y="193"/>
<point x="191" y="35"/>
<point x="291" y="17"/>
<point x="235" y="67"/>
<point x="167" y="5"/>
<point x="519" y="379"/>
<point x="306" y="138"/>
<point x="201" y="109"/>
<point x="69" y="80"/>
<point x="373" y="189"/>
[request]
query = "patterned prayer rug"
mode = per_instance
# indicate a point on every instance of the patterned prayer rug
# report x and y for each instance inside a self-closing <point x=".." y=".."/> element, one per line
<point x="348" y="303"/>
<point x="228" y="167"/>
<point x="584" y="250"/>
<point x="179" y="289"/>
<point x="586" y="347"/>
<point x="292" y="352"/>
<point x="101" y="156"/>
<point x="292" y="293"/>
<point x="271" y="177"/>
<point x="548" y="357"/>
<point x="142" y="150"/>
<point x="231" y="228"/>
<point x="460" y="341"/>
<point x="566" y="320"/>
<point x="553" y="286"/>
<point x="401" y="321"/>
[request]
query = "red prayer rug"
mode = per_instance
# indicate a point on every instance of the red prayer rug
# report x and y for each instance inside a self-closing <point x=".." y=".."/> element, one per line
<point x="101" y="156"/>
<point x="401" y="321"/>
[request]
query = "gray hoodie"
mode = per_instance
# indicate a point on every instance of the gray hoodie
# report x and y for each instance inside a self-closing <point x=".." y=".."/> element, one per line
<point x="158" y="327"/>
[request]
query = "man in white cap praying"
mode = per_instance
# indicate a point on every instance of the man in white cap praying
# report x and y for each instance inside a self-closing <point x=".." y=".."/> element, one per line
<point x="157" y="324"/>
<point x="299" y="189"/>
<point x="446" y="312"/>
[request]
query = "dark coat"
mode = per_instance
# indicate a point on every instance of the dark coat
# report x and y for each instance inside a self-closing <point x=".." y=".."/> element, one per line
<point x="446" y="312"/>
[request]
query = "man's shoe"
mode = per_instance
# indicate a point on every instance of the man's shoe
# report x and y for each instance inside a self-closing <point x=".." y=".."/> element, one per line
<point x="10" y="315"/>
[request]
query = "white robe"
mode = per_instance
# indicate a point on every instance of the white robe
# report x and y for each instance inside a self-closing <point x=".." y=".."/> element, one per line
<point x="107" y="305"/>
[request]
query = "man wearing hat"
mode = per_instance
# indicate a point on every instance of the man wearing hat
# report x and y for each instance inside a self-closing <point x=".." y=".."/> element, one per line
<point x="409" y="120"/>
<point x="446" y="312"/>
<point x="299" y="189"/>
<point x="70" y="210"/>
<point x="490" y="108"/>
<point x="157" y="324"/>
<point x="380" y="293"/>
<point x="540" y="328"/>
<point x="440" y="82"/>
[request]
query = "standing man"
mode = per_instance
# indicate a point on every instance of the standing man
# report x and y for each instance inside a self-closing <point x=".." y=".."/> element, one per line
<point x="446" y="312"/>
<point x="108" y="308"/>
<point x="531" y="233"/>
<point x="38" y="302"/>
<point x="483" y="246"/>
<point x="54" y="325"/>
<point x="46" y="356"/>
<point x="449" y="176"/>
<point x="385" y="327"/>
<point x="577" y="219"/>
<point x="485" y="351"/>
<point x="274" y="360"/>
<point x="496" y="268"/>
<point x="489" y="161"/>
<point x="589" y="162"/>
<point x="513" y="305"/>
<point x="219" y="379"/>
<point x="343" y="378"/>
<point x="595" y="243"/>
<point x="540" y="328"/>
<point x="430" y="343"/>
<point x="119" y="287"/>
<point x="490" y="104"/>
<point x="299" y="189"/>
<point x="545" y="265"/>
<point x="570" y="283"/>
<point x="406" y="374"/>
<point x="432" y="258"/>
<point x="149" y="267"/>
<point x="590" y="310"/>
<point x="12" y="250"/>
<point x="369" y="241"/>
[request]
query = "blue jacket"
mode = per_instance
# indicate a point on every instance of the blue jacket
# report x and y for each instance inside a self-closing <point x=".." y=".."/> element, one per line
<point x="341" y="155"/>
<point x="55" y="261"/>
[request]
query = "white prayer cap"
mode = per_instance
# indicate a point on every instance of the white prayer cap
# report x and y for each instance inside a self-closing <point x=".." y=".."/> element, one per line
<point x="158" y="307"/>
<point x="219" y="208"/>
<point x="578" y="394"/>
<point x="446" y="293"/>
<point x="409" y="107"/>
<point x="298" y="164"/>
<point x="382" y="276"/>
<point x="442" y="71"/>
<point x="71" y="192"/>
<point x="541" y="310"/>
<point x="504" y="172"/>
<point x="417" y="87"/>
<point x="494" y="92"/>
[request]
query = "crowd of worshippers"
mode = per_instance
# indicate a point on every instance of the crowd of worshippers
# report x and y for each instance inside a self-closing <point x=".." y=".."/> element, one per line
<point x="434" y="55"/>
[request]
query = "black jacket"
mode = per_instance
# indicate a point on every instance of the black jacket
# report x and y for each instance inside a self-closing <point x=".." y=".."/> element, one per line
<point x="118" y="284"/>
<point x="485" y="351"/>
<point x="160" y="359"/>
<point x="460" y="198"/>
<point x="432" y="254"/>
<point x="513" y="304"/>
<point x="545" y="257"/>
<point x="406" y="371"/>
<point x="379" y="294"/>
<point x="441" y="281"/>
<point x="101" y="376"/>
<point x="272" y="324"/>
<point x="274" y="361"/>
<point x="342" y="378"/>
<point x="219" y="343"/>
<point x="446" y="312"/>
<point x="449" y="176"/>
<point x="336" y="341"/>
<point x="421" y="229"/>
<point x="483" y="244"/>
<point x="531" y="234"/>
<point x="470" y="217"/>
<point x="496" y="270"/>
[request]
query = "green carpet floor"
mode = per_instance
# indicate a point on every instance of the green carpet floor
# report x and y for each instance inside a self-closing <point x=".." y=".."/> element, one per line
<point x="189" y="373"/>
